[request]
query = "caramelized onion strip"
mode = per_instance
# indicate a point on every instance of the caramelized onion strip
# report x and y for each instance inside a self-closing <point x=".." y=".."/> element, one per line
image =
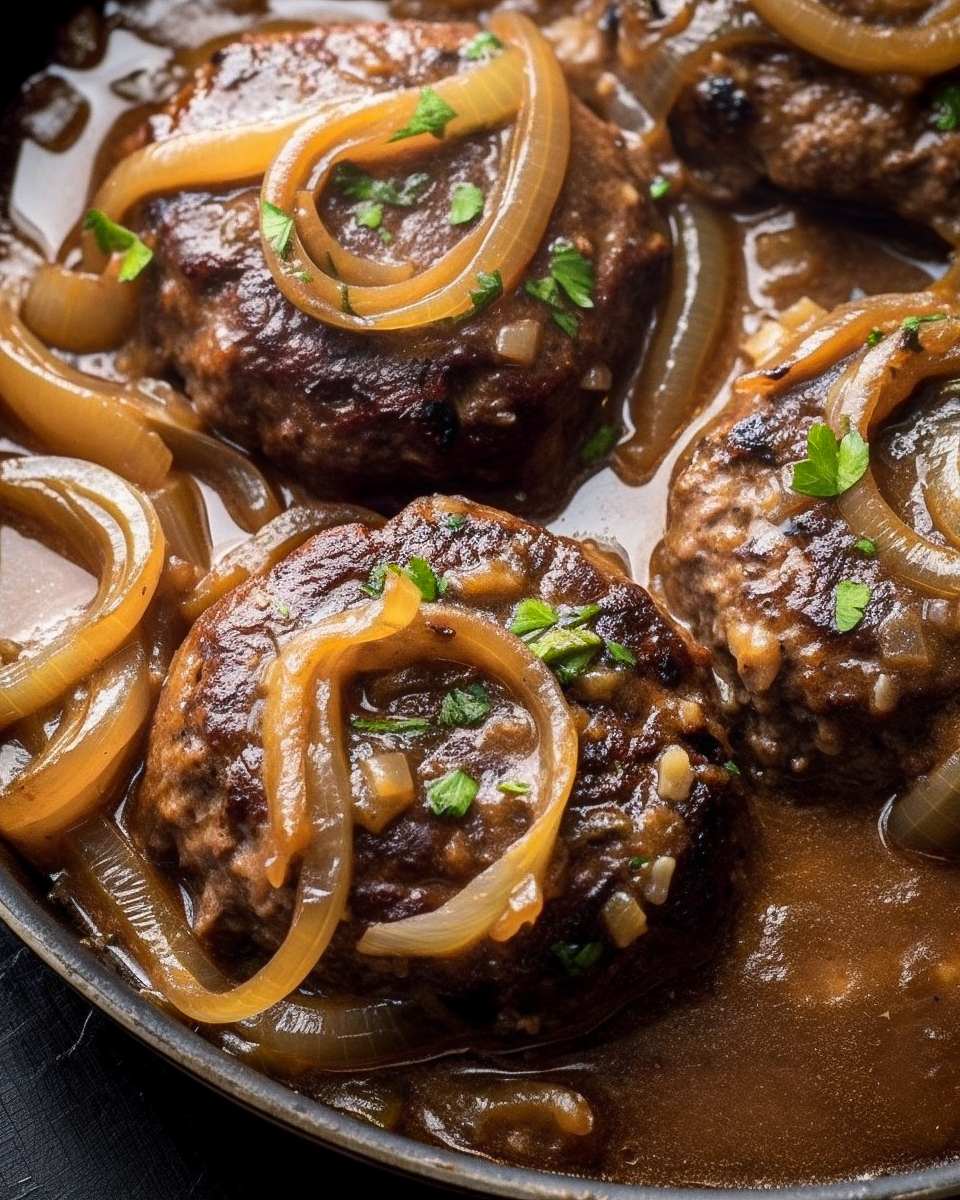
<point x="475" y="910"/>
<point x="941" y="485"/>
<point x="867" y="392"/>
<point x="71" y="414"/>
<point x="665" y="397"/>
<point x="121" y="533"/>
<point x="914" y="49"/>
<point x="507" y="237"/>
<point x="926" y="817"/>
<point x="79" y="311"/>
<point x="74" y="772"/>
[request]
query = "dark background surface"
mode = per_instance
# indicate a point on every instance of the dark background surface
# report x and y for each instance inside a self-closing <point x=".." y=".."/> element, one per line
<point x="87" y="1113"/>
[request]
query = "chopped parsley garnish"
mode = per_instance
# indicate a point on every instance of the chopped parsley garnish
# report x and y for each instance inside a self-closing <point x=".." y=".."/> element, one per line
<point x="345" y="305"/>
<point x="484" y="45"/>
<point x="874" y="337"/>
<point x="731" y="768"/>
<point x="355" y="184"/>
<point x="619" y="654"/>
<point x="568" y="652"/>
<point x="866" y="546"/>
<point x="547" y="290"/>
<point x="574" y="272"/>
<point x="277" y="228"/>
<point x="466" y="204"/>
<point x="116" y="239"/>
<point x="637" y="862"/>
<point x="455" y="522"/>
<point x="599" y="444"/>
<point x="832" y="466"/>
<point x="911" y="328"/>
<point x="852" y="600"/>
<point x="491" y="288"/>
<point x="581" y="615"/>
<point x="417" y="570"/>
<point x="946" y="107"/>
<point x="282" y="610"/>
<point x="577" y="960"/>
<point x="514" y="787"/>
<point x="567" y="322"/>
<point x="466" y="707"/>
<point x="401" y="725"/>
<point x="659" y="187"/>
<point x="370" y="216"/>
<point x="532" y="616"/>
<point x="303" y="276"/>
<point x="453" y="794"/>
<point x="432" y="115"/>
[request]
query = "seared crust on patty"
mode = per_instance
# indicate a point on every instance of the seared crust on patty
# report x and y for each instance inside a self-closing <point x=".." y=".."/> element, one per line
<point x="201" y="809"/>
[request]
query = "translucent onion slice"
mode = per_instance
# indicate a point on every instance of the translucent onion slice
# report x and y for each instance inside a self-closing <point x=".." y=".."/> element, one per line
<point x="506" y="239"/>
<point x="941" y="486"/>
<point x="927" y="816"/>
<point x="74" y="773"/>
<point x="665" y="397"/>
<point x="179" y="505"/>
<point x="917" y="49"/>
<point x="843" y="331"/>
<point x="476" y="909"/>
<point x="111" y="523"/>
<point x="79" y="311"/>
<point x="865" y="394"/>
<point x="306" y="774"/>
<point x="274" y="541"/>
<point x="71" y="414"/>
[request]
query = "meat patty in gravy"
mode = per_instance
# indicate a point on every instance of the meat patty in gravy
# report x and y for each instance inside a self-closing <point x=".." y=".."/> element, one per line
<point x="651" y="820"/>
<point x="358" y="415"/>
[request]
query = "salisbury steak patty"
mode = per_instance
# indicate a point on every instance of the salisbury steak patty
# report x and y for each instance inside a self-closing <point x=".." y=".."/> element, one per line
<point x="755" y="568"/>
<point x="366" y="415"/>
<point x="648" y="823"/>
<point x="774" y="112"/>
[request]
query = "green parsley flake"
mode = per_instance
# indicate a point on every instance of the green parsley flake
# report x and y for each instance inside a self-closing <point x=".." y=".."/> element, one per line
<point x="417" y="570"/>
<point x="432" y="115"/>
<point x="659" y="188"/>
<point x="277" y="228"/>
<point x="599" y="444"/>
<point x="581" y="615"/>
<point x="831" y="466"/>
<point x="874" y="337"/>
<point x="281" y="609"/>
<point x="946" y="107"/>
<point x="567" y="322"/>
<point x="453" y="794"/>
<point x="345" y="305"/>
<point x="577" y="960"/>
<point x="117" y="239"/>
<point x="911" y="328"/>
<point x="369" y="215"/>
<point x="533" y="616"/>
<point x="866" y="546"/>
<point x="568" y="652"/>
<point x="465" y="707"/>
<point x="455" y="522"/>
<point x="484" y="45"/>
<point x="637" y="862"/>
<point x="619" y="654"/>
<point x="573" y="272"/>
<point x="731" y="768"/>
<point x="409" y="726"/>
<point x="466" y="204"/>
<point x="852" y="600"/>
<point x="491" y="288"/>
<point x="514" y="787"/>
<point x="303" y="276"/>
<point x="355" y="184"/>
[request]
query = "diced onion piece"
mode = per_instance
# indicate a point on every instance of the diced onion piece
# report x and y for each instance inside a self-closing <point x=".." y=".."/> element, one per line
<point x="519" y="342"/>
<point x="624" y="919"/>
<point x="503" y="241"/>
<point x="661" y="876"/>
<point x="306" y="775"/>
<point x="116" y="528"/>
<point x="476" y="909"/>
<point x="771" y="337"/>
<point x="674" y="774"/>
<point x="926" y="817"/>
<point x="274" y="541"/>
<point x="597" y="379"/>
<point x="74" y="773"/>
<point x="71" y="414"/>
<point x="389" y="790"/>
<point x="847" y="41"/>
<point x="79" y="311"/>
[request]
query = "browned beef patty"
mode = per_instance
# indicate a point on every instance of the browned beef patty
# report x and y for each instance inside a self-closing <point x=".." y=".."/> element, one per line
<point x="373" y="415"/>
<point x="201" y="808"/>
<point x="753" y="567"/>
<point x="776" y="113"/>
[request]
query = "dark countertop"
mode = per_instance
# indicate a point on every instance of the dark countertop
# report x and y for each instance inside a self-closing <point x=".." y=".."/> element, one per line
<point x="87" y="1113"/>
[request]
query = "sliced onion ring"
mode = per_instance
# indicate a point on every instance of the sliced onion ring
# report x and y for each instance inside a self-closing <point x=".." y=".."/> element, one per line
<point x="475" y="910"/>
<point x="117" y="530"/>
<point x="74" y="773"/>
<point x="79" y="311"/>
<point x="926" y="817"/>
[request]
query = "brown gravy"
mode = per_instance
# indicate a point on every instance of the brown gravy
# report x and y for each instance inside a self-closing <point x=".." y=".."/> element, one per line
<point x="825" y="1041"/>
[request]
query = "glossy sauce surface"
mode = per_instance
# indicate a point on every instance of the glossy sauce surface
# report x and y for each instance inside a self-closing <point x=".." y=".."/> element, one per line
<point x="824" y="1042"/>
